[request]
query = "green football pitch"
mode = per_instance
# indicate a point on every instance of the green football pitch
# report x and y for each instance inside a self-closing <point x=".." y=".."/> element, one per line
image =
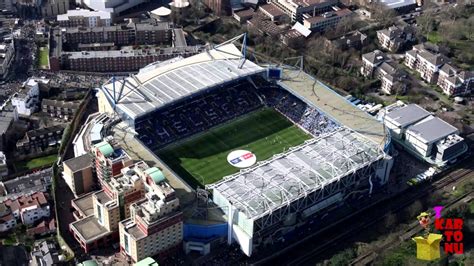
<point x="202" y="159"/>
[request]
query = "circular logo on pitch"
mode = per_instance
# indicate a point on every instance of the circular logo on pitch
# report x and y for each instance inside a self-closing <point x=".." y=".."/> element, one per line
<point x="241" y="158"/>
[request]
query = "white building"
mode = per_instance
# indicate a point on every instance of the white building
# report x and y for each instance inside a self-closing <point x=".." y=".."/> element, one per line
<point x="296" y="8"/>
<point x="85" y="18"/>
<point x="7" y="53"/>
<point x="27" y="100"/>
<point x="29" y="209"/>
<point x="112" y="6"/>
<point x="7" y="220"/>
<point x="423" y="134"/>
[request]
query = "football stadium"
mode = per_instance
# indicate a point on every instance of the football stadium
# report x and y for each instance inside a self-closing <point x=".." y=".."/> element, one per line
<point x="273" y="146"/>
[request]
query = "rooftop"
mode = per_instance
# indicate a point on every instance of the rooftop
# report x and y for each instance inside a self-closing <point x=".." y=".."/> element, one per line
<point x="272" y="9"/>
<point x="153" y="89"/>
<point x="89" y="229"/>
<point x="85" y="204"/>
<point x="83" y="13"/>
<point x="130" y="52"/>
<point x="161" y="11"/>
<point x="431" y="129"/>
<point x="407" y="115"/>
<point x="30" y="183"/>
<point x="330" y="15"/>
<point x="332" y="104"/>
<point x="102" y="197"/>
<point x="273" y="184"/>
<point x="60" y="104"/>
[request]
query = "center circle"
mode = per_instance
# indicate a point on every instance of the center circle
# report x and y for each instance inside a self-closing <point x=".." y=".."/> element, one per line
<point x="241" y="158"/>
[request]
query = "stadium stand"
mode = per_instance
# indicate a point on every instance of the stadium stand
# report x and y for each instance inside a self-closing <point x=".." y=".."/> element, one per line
<point x="213" y="107"/>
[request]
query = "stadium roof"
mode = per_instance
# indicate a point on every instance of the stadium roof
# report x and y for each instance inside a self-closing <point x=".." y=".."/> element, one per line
<point x="287" y="177"/>
<point x="148" y="91"/>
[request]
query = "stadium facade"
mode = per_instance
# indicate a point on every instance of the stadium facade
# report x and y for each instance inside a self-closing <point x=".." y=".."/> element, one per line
<point x="178" y="98"/>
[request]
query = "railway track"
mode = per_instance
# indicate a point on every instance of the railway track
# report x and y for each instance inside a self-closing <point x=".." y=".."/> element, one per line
<point x="367" y="218"/>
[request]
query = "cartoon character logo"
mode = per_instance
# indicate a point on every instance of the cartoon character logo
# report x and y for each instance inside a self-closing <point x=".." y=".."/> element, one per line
<point x="427" y="246"/>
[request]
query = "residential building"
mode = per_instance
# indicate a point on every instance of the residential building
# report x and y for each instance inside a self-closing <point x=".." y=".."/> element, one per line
<point x="455" y="82"/>
<point x="29" y="209"/>
<point x="296" y="8"/>
<point x="42" y="8"/>
<point x="85" y="18"/>
<point x="99" y="213"/>
<point x="98" y="229"/>
<point x="7" y="220"/>
<point x="116" y="7"/>
<point x="3" y="165"/>
<point x="327" y="20"/>
<point x="395" y="37"/>
<point x="39" y="181"/>
<point x="244" y="15"/>
<point x="156" y="223"/>
<point x="44" y="228"/>
<point x="40" y="140"/>
<point x="426" y="62"/>
<point x="131" y="34"/>
<point x="61" y="109"/>
<point x="124" y="60"/>
<point x="8" y="115"/>
<point x="109" y="161"/>
<point x="355" y="40"/>
<point x="370" y="62"/>
<point x="45" y="253"/>
<point x="27" y="100"/>
<point x="7" y="53"/>
<point x="273" y="12"/>
<point x="147" y="262"/>
<point x="78" y="174"/>
<point x="423" y="134"/>
<point x="376" y="64"/>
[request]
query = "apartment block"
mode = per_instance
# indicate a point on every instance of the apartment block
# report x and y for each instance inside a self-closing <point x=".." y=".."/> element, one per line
<point x="60" y="109"/>
<point x="26" y="100"/>
<point x="156" y="224"/>
<point x="394" y="38"/>
<point x="435" y="68"/>
<point x="377" y="65"/>
<point x="78" y="174"/>
<point x="84" y="18"/>
<point x="109" y="161"/>
<point x="131" y="34"/>
<point x="127" y="59"/>
<point x="40" y="140"/>
<point x="7" y="53"/>
<point x="426" y="61"/>
<point x="454" y="81"/>
<point x="327" y="20"/>
<point x="99" y="213"/>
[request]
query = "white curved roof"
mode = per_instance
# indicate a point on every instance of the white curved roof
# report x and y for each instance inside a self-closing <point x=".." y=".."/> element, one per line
<point x="148" y="91"/>
<point x="161" y="11"/>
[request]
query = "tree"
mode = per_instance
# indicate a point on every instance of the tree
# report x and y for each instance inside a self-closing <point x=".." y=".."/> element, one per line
<point x="383" y="15"/>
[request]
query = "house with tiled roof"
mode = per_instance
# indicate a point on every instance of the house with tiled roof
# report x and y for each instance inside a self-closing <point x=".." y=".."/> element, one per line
<point x="29" y="209"/>
<point x="7" y="220"/>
